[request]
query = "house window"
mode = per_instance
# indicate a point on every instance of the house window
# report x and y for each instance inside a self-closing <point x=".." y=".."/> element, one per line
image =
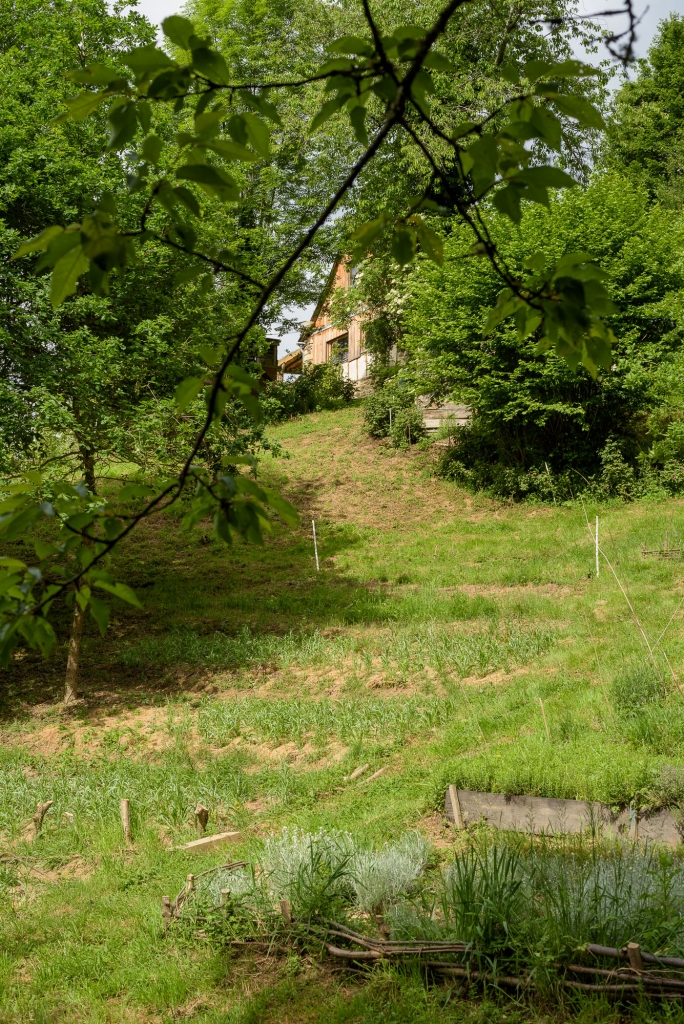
<point x="338" y="350"/>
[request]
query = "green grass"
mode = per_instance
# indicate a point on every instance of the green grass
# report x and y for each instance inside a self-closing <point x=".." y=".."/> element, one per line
<point x="255" y="685"/>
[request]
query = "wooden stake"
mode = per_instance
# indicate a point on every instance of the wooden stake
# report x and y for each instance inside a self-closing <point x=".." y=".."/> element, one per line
<point x="190" y="884"/>
<point x="313" y="527"/>
<point x="456" y="807"/>
<point x="225" y="896"/>
<point x="285" y="910"/>
<point x="548" y="473"/>
<point x="634" y="956"/>
<point x="201" y="819"/>
<point x="125" y="810"/>
<point x="167" y="911"/>
<point x="41" y="811"/>
<point x="546" y="724"/>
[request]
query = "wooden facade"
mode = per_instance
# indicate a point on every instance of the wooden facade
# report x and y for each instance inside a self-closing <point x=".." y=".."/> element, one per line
<point x="324" y="343"/>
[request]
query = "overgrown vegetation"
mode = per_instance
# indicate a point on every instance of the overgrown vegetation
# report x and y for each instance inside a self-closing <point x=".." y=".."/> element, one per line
<point x="317" y="387"/>
<point x="420" y="649"/>
<point x="540" y="428"/>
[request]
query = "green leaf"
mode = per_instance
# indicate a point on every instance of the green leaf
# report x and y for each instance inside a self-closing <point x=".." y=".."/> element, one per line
<point x="212" y="180"/>
<point x="582" y="110"/>
<point x="352" y="45"/>
<point x="189" y="274"/>
<point x="507" y="201"/>
<point x="41" y="241"/>
<point x="258" y="134"/>
<point x="119" y="590"/>
<point x="438" y="62"/>
<point x="12" y="564"/>
<point x="510" y="73"/>
<point x="144" y="59"/>
<point x="94" y="74"/>
<point x="210" y="355"/>
<point x="44" y="550"/>
<point x="152" y="148"/>
<point x="403" y="246"/>
<point x="124" y="125"/>
<point x="185" y="196"/>
<point x="211" y="65"/>
<point x="232" y="150"/>
<point x="100" y="612"/>
<point x="431" y="243"/>
<point x="66" y="273"/>
<point x="239" y="374"/>
<point x="144" y="114"/>
<point x="187" y="391"/>
<point x="178" y="30"/>
<point x="549" y="177"/>
<point x="357" y="116"/>
<point x="62" y="243"/>
<point x="287" y="512"/>
<point x="83" y="104"/>
<point x="368" y="232"/>
<point x="327" y="110"/>
<point x="20" y="523"/>
<point x="257" y="101"/>
<point x="130" y="491"/>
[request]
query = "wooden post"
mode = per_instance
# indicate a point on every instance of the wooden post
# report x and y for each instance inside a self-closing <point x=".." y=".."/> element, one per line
<point x="313" y="527"/>
<point x="167" y="912"/>
<point x="634" y="956"/>
<point x="225" y="896"/>
<point x="456" y="807"/>
<point x="201" y="819"/>
<point x="546" y="724"/>
<point x="41" y="811"/>
<point x="125" y="809"/>
<point x="633" y="823"/>
<point x="190" y="884"/>
<point x="285" y="910"/>
<point x="553" y="493"/>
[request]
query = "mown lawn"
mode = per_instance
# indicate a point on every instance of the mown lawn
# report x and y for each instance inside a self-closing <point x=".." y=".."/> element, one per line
<point x="254" y="684"/>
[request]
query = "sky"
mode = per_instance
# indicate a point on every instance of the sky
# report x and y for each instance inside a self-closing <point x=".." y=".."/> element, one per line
<point x="650" y="13"/>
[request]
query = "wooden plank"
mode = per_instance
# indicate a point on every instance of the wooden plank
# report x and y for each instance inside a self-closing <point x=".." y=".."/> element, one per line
<point x="455" y="807"/>
<point x="211" y="842"/>
<point x="550" y="815"/>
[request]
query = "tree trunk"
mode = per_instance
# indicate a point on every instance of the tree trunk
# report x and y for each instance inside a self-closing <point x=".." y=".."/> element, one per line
<point x="88" y="459"/>
<point x="71" y="680"/>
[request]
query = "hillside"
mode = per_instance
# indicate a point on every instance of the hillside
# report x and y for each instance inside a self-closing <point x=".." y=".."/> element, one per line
<point x="256" y="685"/>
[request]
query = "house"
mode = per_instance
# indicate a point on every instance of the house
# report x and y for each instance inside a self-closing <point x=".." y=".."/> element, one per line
<point x="322" y="342"/>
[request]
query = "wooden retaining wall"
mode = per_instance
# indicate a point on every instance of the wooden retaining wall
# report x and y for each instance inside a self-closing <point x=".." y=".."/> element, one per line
<point x="547" y="815"/>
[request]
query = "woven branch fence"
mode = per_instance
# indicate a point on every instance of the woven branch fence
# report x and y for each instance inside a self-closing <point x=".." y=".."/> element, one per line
<point x="636" y="973"/>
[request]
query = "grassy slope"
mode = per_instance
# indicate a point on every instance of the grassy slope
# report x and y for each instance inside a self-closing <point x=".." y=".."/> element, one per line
<point x="254" y="684"/>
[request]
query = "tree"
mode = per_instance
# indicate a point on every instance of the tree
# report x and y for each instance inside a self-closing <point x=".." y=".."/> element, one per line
<point x="93" y="382"/>
<point x="381" y="80"/>
<point x="646" y="132"/>
<point x="530" y="410"/>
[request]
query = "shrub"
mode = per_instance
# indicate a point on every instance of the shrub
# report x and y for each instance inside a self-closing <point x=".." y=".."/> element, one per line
<point x="391" y="412"/>
<point x="320" y="386"/>
<point x="389" y="395"/>
<point x="669" y="785"/>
